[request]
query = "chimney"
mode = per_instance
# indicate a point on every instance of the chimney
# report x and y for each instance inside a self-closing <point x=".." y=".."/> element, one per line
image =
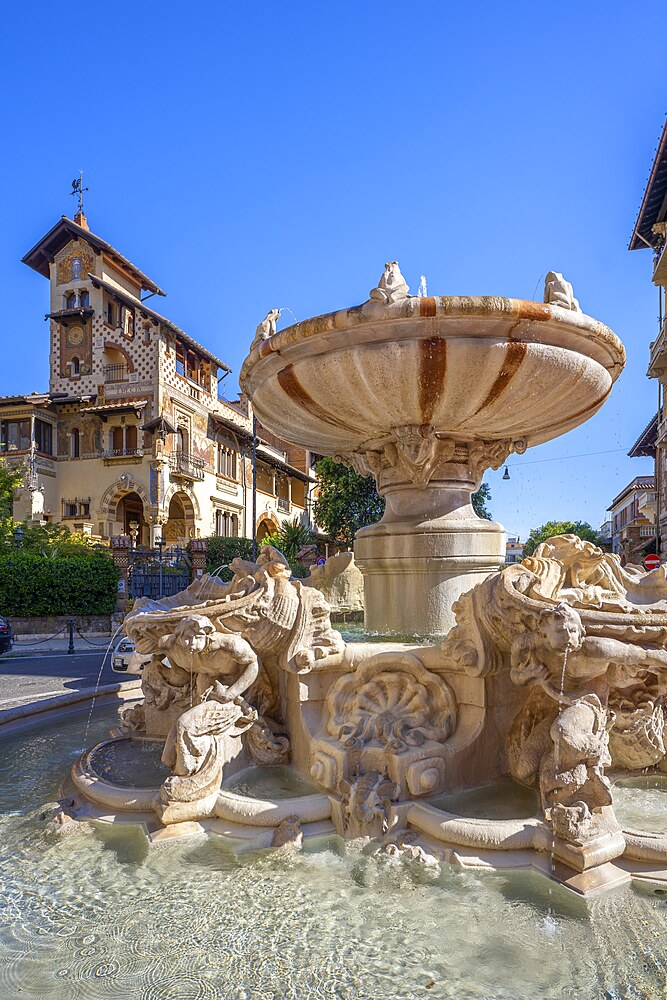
<point x="82" y="221"/>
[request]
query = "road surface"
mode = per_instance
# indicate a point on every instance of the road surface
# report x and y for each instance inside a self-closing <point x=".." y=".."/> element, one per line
<point x="27" y="678"/>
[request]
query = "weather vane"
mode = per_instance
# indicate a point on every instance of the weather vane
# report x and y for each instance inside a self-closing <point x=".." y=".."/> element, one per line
<point x="78" y="189"/>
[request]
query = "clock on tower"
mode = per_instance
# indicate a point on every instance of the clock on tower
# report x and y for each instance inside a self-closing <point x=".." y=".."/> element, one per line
<point x="74" y="336"/>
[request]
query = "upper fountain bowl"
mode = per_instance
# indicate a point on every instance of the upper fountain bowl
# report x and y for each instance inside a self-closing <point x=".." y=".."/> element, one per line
<point x="482" y="367"/>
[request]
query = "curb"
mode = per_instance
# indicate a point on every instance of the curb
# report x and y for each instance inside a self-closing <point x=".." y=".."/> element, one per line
<point x="30" y="709"/>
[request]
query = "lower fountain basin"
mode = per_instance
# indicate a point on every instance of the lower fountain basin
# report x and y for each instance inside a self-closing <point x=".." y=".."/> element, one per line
<point x="130" y="761"/>
<point x="102" y="915"/>
<point x="640" y="803"/>
<point x="269" y="783"/>
<point x="504" y="800"/>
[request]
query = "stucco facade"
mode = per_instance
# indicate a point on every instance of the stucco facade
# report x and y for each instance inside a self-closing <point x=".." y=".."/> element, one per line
<point x="132" y="437"/>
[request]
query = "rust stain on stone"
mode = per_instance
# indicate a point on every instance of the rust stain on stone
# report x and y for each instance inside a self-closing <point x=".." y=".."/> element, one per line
<point x="534" y="310"/>
<point x="432" y="369"/>
<point x="514" y="355"/>
<point x="427" y="306"/>
<point x="291" y="386"/>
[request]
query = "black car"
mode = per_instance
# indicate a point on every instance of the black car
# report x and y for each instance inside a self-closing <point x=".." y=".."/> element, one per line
<point x="6" y="635"/>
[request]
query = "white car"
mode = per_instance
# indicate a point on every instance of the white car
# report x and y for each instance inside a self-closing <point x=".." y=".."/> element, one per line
<point x="125" y="659"/>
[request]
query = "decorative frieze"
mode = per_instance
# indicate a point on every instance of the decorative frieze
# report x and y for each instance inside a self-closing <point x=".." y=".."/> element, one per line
<point x="419" y="454"/>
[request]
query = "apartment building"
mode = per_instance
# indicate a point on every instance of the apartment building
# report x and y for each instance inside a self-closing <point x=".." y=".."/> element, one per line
<point x="133" y="436"/>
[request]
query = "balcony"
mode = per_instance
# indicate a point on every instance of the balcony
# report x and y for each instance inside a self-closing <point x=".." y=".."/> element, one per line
<point x="646" y="504"/>
<point x="186" y="466"/>
<point x="115" y="373"/>
<point x="121" y="455"/>
<point x="77" y="507"/>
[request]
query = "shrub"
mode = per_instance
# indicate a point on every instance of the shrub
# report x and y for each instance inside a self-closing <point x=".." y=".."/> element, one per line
<point x="220" y="551"/>
<point x="33" y="584"/>
<point x="290" y="537"/>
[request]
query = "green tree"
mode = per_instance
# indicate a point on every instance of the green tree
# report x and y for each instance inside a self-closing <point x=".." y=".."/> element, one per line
<point x="56" y="540"/>
<point x="480" y="500"/>
<point x="346" y="501"/>
<point x="551" y="528"/>
<point x="11" y="477"/>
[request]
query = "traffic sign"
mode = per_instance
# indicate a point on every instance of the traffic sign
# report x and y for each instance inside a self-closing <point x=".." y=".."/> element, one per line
<point x="651" y="562"/>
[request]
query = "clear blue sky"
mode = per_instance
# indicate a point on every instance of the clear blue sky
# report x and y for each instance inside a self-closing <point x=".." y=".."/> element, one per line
<point x="247" y="156"/>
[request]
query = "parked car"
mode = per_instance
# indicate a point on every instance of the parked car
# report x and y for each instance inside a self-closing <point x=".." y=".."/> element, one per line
<point x="6" y="635"/>
<point x="126" y="660"/>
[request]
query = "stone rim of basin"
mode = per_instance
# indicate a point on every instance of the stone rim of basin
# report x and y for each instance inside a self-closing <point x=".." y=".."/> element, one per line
<point x="516" y="324"/>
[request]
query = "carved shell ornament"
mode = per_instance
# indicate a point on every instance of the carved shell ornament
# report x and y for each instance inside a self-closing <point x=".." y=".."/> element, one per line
<point x="391" y="701"/>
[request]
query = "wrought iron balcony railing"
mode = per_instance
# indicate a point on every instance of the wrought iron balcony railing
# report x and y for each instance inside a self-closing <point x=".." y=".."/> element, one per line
<point x="122" y="453"/>
<point x="188" y="466"/>
<point x="115" y="373"/>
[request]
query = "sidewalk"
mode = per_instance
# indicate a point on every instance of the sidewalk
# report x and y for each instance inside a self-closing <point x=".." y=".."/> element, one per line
<point x="35" y="645"/>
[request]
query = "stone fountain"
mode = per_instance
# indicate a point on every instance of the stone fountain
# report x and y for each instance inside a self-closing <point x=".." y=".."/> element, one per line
<point x="545" y="675"/>
<point x="425" y="394"/>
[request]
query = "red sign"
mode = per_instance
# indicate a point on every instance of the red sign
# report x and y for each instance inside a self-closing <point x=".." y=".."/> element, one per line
<point x="651" y="562"/>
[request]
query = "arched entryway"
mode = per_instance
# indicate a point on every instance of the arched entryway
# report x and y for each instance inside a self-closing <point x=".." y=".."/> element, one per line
<point x="266" y="525"/>
<point x="180" y="527"/>
<point x="130" y="517"/>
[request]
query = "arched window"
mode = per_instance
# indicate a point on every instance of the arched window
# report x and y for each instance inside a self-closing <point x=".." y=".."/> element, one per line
<point x="84" y="298"/>
<point x="74" y="443"/>
<point x="75" y="366"/>
<point x="70" y="300"/>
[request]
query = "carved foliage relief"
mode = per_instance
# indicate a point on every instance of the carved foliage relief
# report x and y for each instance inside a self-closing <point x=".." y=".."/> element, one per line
<point x="417" y="453"/>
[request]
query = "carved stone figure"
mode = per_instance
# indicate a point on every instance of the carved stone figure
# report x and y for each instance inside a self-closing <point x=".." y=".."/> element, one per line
<point x="266" y="328"/>
<point x="573" y="786"/>
<point x="365" y="803"/>
<point x="266" y="746"/>
<point x="558" y="292"/>
<point x="195" y="752"/>
<point x="280" y="619"/>
<point x="340" y="581"/>
<point x="392" y="286"/>
<point x="637" y="738"/>
<point x="538" y="657"/>
<point x="213" y="657"/>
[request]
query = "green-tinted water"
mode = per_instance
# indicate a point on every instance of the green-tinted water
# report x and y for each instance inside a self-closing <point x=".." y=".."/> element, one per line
<point x="502" y="801"/>
<point x="103" y="915"/>
<point x="271" y="783"/>
<point x="641" y="803"/>
<point x="132" y="763"/>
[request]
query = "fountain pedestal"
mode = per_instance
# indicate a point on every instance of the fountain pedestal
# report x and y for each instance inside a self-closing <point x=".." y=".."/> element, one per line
<point x="430" y="546"/>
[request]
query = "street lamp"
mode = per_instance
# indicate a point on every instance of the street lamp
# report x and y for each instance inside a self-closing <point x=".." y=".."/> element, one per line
<point x="18" y="535"/>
